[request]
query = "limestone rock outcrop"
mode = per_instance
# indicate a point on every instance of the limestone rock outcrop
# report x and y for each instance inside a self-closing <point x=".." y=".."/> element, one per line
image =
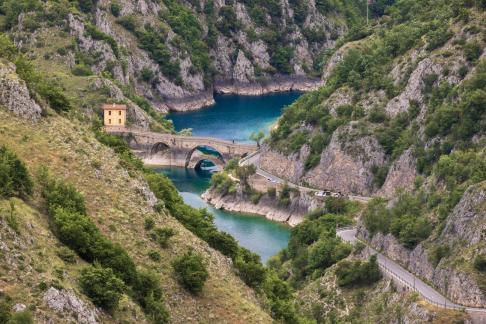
<point x="14" y="94"/>
<point x="70" y="306"/>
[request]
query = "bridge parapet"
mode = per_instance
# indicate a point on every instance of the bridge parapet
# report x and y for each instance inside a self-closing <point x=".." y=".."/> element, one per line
<point x="180" y="146"/>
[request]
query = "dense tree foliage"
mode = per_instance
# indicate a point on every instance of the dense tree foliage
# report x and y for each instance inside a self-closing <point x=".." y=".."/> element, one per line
<point x="191" y="271"/>
<point x="102" y="286"/>
<point x="15" y="180"/>
<point x="358" y="273"/>
<point x="313" y="245"/>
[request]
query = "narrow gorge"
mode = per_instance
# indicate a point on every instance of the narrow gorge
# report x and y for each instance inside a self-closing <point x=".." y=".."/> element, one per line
<point x="243" y="161"/>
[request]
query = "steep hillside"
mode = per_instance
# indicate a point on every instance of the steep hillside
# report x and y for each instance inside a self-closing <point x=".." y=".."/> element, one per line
<point x="40" y="276"/>
<point x="387" y="97"/>
<point x="402" y="117"/>
<point x="119" y="204"/>
<point x="175" y="53"/>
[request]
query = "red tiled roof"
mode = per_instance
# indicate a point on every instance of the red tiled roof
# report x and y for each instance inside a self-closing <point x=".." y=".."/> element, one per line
<point x="114" y="107"/>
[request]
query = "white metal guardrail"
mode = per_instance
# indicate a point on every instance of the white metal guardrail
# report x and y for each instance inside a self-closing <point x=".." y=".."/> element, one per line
<point x="446" y="304"/>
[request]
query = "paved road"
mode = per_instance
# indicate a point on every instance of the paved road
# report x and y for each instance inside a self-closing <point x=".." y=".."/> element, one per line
<point x="255" y="160"/>
<point x="404" y="277"/>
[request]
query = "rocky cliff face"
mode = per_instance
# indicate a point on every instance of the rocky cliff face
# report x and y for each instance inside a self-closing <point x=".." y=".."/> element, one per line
<point x="345" y="163"/>
<point x="350" y="159"/>
<point x="177" y="53"/>
<point x="14" y="94"/>
<point x="464" y="235"/>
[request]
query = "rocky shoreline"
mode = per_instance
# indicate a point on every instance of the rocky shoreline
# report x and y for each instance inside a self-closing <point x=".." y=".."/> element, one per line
<point x="266" y="207"/>
<point x="189" y="103"/>
<point x="206" y="99"/>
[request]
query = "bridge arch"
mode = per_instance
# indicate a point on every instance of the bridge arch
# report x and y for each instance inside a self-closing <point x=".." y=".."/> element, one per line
<point x="159" y="147"/>
<point x="201" y="164"/>
<point x="204" y="153"/>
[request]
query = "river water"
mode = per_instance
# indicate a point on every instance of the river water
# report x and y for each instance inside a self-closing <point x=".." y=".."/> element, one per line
<point x="233" y="118"/>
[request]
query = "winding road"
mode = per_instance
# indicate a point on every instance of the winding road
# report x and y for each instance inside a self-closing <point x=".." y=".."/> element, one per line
<point x="389" y="267"/>
<point x="403" y="277"/>
<point x="254" y="159"/>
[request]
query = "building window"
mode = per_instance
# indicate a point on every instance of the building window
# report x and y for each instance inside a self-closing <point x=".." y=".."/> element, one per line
<point x="119" y="113"/>
<point x="109" y="121"/>
<point x="119" y="121"/>
<point x="109" y="113"/>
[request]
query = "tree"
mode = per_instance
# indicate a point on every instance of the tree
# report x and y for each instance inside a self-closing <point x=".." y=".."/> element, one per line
<point x="358" y="273"/>
<point x="244" y="172"/>
<point x="102" y="286"/>
<point x="191" y="271"/>
<point x="14" y="178"/>
<point x="257" y="137"/>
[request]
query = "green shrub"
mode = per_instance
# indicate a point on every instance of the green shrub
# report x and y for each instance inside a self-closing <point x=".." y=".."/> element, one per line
<point x="223" y="184"/>
<point x="14" y="178"/>
<point x="312" y="161"/>
<point x="115" y="9"/>
<point x="255" y="197"/>
<point x="154" y="255"/>
<point x="11" y="218"/>
<point x="148" y="293"/>
<point x="281" y="58"/>
<point x="58" y="194"/>
<point x="102" y="286"/>
<point x="81" y="70"/>
<point x="224" y="242"/>
<point x="376" y="217"/>
<point x="97" y="34"/>
<point x="147" y="75"/>
<point x="67" y="255"/>
<point x="228" y="22"/>
<point x="379" y="174"/>
<point x="191" y="271"/>
<point x="245" y="172"/>
<point x="480" y="263"/>
<point x="335" y="205"/>
<point x="438" y="37"/>
<point x="149" y="223"/>
<point x="472" y="51"/>
<point x="129" y="22"/>
<point x="24" y="317"/>
<point x="162" y="236"/>
<point x="284" y="196"/>
<point x="5" y="307"/>
<point x="358" y="273"/>
<point x="437" y="253"/>
<point x="250" y="269"/>
<point x="86" y="5"/>
<point x="327" y="252"/>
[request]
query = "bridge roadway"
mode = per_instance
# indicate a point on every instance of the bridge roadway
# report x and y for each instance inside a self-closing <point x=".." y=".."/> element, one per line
<point x="189" y="142"/>
<point x="405" y="278"/>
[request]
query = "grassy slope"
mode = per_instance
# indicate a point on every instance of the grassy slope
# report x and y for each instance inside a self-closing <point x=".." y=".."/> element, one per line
<point x="116" y="203"/>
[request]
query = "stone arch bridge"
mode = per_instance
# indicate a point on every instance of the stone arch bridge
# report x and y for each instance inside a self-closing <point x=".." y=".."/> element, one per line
<point x="182" y="151"/>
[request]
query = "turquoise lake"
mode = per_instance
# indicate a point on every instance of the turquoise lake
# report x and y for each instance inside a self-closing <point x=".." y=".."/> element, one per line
<point x="233" y="118"/>
<point x="256" y="233"/>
